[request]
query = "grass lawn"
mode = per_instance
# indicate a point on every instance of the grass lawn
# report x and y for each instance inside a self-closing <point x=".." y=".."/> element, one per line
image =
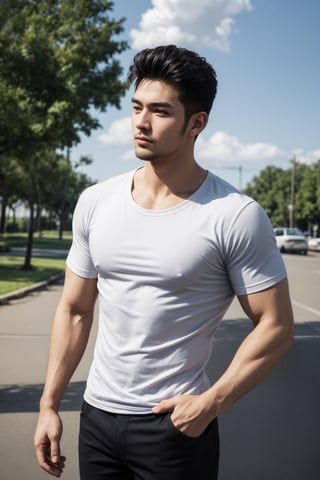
<point x="13" y="278"/>
<point x="48" y="240"/>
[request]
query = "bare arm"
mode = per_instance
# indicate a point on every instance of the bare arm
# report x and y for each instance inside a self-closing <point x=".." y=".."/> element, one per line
<point x="70" y="333"/>
<point x="272" y="335"/>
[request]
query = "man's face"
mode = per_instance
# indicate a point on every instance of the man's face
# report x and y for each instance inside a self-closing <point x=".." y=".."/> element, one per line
<point x="157" y="121"/>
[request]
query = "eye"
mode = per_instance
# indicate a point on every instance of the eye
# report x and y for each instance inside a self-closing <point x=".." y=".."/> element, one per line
<point x="161" y="112"/>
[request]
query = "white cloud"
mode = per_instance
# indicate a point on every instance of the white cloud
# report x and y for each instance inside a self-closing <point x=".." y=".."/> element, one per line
<point x="306" y="157"/>
<point x="225" y="150"/>
<point x="220" y="150"/>
<point x="128" y="154"/>
<point x="119" y="133"/>
<point x="208" y="22"/>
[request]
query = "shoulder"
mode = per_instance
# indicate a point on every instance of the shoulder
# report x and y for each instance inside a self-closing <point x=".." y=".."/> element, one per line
<point x="220" y="190"/>
<point x="94" y="198"/>
<point x="239" y="219"/>
<point x="229" y="202"/>
<point x="103" y="191"/>
<point x="103" y="188"/>
<point x="247" y="241"/>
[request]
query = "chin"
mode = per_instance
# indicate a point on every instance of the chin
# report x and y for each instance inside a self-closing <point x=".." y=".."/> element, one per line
<point x="145" y="156"/>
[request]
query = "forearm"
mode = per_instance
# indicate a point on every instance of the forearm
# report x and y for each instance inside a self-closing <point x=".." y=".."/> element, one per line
<point x="70" y="333"/>
<point x="255" y="358"/>
<point x="69" y="338"/>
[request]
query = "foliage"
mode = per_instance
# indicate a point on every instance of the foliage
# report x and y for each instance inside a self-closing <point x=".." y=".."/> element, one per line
<point x="12" y="185"/>
<point x="55" y="184"/>
<point x="4" y="246"/>
<point x="57" y="67"/>
<point x="276" y="189"/>
<point x="308" y="196"/>
<point x="60" y="195"/>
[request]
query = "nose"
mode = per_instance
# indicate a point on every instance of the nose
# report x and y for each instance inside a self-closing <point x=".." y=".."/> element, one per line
<point x="142" y="120"/>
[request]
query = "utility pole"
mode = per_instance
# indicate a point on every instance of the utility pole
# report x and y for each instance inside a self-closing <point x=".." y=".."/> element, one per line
<point x="291" y="206"/>
<point x="240" y="178"/>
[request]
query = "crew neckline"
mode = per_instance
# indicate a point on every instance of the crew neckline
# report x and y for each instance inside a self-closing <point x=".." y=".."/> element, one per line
<point x="165" y="211"/>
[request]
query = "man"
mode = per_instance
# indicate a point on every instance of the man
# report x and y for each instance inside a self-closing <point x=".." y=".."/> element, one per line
<point x="167" y="247"/>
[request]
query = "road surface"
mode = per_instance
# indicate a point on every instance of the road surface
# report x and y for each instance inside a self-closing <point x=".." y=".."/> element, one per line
<point x="270" y="434"/>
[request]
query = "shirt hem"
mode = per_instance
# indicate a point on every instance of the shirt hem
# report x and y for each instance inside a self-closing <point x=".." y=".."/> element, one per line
<point x="260" y="286"/>
<point x="107" y="407"/>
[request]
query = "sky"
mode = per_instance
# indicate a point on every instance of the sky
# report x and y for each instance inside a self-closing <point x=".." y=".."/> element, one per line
<point x="267" y="57"/>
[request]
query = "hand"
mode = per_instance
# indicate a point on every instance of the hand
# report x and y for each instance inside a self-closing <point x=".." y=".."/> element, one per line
<point x="190" y="414"/>
<point x="47" y="443"/>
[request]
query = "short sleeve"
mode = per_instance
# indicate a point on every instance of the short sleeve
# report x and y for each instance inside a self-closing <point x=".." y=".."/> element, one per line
<point x="79" y="259"/>
<point x="254" y="263"/>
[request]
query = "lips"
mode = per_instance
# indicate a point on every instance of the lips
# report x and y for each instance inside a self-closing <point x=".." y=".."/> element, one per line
<point x="142" y="140"/>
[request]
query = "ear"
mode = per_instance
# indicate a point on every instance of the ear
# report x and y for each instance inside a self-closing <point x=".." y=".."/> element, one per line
<point x="198" y="122"/>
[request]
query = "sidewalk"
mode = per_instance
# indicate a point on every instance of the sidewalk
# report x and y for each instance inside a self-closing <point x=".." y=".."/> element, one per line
<point x="25" y="326"/>
<point x="37" y="252"/>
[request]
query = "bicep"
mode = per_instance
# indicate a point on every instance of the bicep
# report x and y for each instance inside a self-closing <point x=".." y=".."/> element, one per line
<point x="79" y="293"/>
<point x="272" y="305"/>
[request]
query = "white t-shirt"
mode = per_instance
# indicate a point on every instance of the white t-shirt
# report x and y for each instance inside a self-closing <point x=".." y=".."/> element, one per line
<point x="165" y="280"/>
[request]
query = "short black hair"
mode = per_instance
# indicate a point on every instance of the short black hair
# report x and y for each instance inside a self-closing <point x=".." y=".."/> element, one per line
<point x="192" y="76"/>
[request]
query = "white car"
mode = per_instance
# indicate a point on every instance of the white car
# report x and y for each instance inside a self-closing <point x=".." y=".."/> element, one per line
<point x="291" y="240"/>
<point x="314" y="244"/>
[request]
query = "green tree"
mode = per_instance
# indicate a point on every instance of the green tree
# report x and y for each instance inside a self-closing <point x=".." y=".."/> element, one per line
<point x="307" y="201"/>
<point x="264" y="188"/>
<point x="276" y="189"/>
<point x="271" y="188"/>
<point x="59" y="196"/>
<point x="13" y="182"/>
<point x="57" y="68"/>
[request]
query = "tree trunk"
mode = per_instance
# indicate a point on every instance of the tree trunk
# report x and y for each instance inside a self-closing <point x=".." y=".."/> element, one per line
<point x="38" y="219"/>
<point x="61" y="222"/>
<point x="27" y="260"/>
<point x="63" y="199"/>
<point x="33" y="193"/>
<point x="3" y="213"/>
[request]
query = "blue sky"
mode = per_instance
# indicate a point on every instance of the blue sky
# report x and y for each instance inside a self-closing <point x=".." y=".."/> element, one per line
<point x="266" y="55"/>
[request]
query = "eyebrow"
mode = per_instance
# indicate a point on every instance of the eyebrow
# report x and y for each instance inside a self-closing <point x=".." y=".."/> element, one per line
<point x="153" y="104"/>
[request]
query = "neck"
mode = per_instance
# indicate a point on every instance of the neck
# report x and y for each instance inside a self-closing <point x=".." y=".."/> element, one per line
<point x="173" y="178"/>
<point x="157" y="186"/>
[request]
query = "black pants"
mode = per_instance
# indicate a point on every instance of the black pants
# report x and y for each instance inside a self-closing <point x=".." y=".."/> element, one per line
<point x="143" y="447"/>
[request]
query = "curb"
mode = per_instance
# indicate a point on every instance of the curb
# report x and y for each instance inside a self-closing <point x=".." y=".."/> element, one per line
<point x="22" y="292"/>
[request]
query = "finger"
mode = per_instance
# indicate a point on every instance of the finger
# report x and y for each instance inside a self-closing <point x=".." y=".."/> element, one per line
<point x="55" y="452"/>
<point x="165" y="406"/>
<point x="47" y="465"/>
<point x="53" y="469"/>
<point x="41" y="457"/>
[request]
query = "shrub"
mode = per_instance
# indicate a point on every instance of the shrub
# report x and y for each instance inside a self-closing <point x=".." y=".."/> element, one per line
<point x="4" y="247"/>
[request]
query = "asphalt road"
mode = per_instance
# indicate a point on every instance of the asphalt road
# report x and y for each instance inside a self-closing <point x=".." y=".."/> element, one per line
<point x="270" y="434"/>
